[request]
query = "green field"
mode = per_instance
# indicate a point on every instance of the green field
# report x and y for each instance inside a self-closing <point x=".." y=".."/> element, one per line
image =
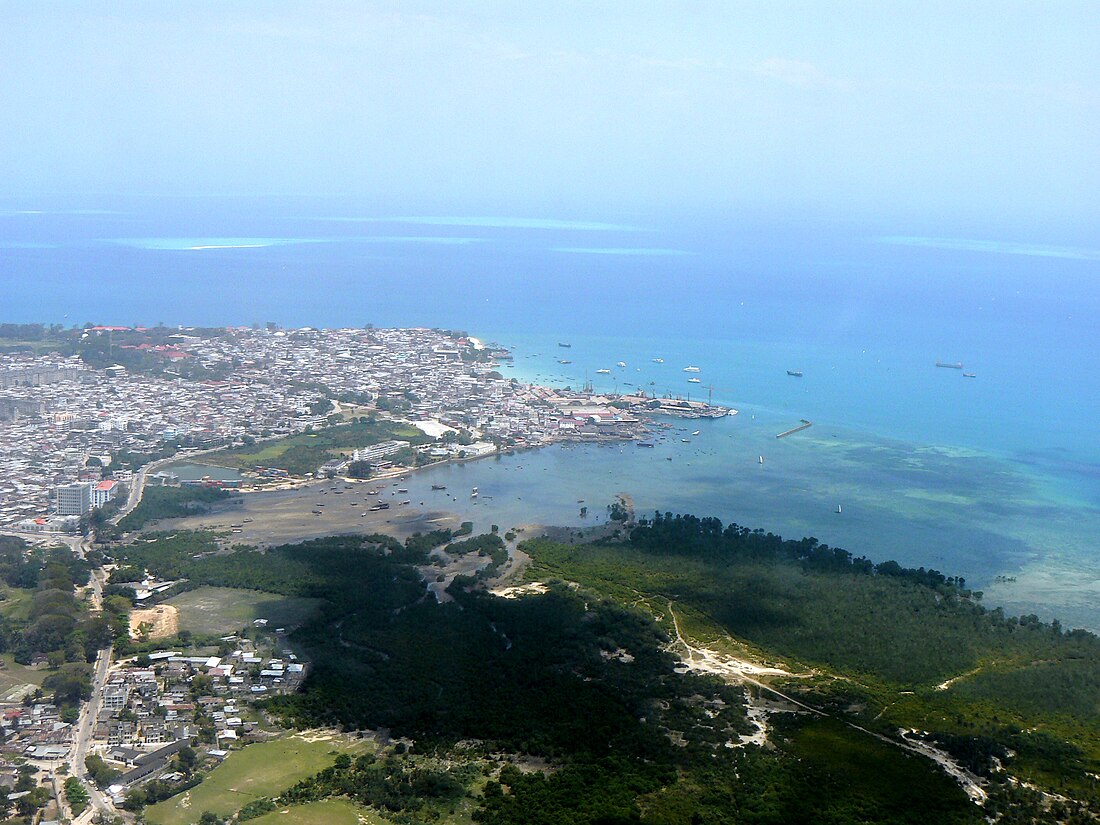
<point x="15" y="603"/>
<point x="328" y="812"/>
<point x="221" y="610"/>
<point x="264" y="769"/>
<point x="14" y="676"/>
<point x="305" y="452"/>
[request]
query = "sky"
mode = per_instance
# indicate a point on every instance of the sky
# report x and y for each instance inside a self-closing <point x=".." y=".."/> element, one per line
<point x="935" y="112"/>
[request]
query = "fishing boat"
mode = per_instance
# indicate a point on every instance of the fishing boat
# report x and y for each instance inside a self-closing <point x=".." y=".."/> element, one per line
<point x="439" y="486"/>
<point x="603" y="372"/>
<point x="473" y="493"/>
<point x="658" y="360"/>
<point x="621" y="364"/>
<point x="695" y="381"/>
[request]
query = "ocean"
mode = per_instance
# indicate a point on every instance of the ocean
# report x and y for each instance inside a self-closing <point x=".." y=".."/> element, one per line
<point x="995" y="477"/>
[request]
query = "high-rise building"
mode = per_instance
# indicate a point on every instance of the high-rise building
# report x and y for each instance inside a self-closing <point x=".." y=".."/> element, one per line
<point x="73" y="499"/>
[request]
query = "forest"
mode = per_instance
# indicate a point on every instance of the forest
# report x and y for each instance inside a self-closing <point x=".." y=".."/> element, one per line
<point x="584" y="679"/>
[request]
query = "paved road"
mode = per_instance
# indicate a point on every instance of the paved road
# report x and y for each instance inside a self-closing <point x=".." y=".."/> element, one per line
<point x="85" y="727"/>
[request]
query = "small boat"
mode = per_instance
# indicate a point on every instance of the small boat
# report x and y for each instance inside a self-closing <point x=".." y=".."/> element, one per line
<point x="473" y="493"/>
<point x="658" y="360"/>
<point x="645" y="444"/>
<point x="621" y="364"/>
<point x="956" y="365"/>
<point x="564" y="361"/>
<point x="439" y="486"/>
<point x="603" y="372"/>
<point x="691" y="369"/>
<point x="969" y="375"/>
<point x="686" y="440"/>
<point x="696" y="432"/>
<point x="561" y="344"/>
<point x="794" y="373"/>
<point x="695" y="381"/>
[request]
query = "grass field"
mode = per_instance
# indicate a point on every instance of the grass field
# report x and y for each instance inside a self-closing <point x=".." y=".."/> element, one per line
<point x="264" y="769"/>
<point x="225" y="610"/>
<point x="14" y="676"/>
<point x="15" y="603"/>
<point x="328" y="812"/>
<point x="305" y="452"/>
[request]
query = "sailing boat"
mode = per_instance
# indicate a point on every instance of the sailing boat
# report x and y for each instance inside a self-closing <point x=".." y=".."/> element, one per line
<point x="761" y="459"/>
<point x="839" y="509"/>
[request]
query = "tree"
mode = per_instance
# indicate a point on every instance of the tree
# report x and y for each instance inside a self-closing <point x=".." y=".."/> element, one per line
<point x="210" y="818"/>
<point x="359" y="469"/>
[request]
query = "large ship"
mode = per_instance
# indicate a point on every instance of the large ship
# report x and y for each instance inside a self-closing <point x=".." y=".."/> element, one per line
<point x="956" y="365"/>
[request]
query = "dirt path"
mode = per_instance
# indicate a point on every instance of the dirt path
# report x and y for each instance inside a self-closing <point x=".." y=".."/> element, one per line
<point x="704" y="660"/>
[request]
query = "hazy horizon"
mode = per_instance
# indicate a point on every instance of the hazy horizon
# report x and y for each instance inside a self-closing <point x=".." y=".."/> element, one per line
<point x="922" y="114"/>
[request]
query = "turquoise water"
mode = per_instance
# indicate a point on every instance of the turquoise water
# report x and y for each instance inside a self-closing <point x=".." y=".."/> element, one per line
<point x="998" y="475"/>
<point x="196" y="472"/>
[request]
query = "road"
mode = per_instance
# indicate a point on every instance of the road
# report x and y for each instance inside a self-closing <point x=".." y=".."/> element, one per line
<point x="85" y="727"/>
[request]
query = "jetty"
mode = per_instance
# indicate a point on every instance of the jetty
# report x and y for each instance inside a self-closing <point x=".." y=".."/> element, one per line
<point x="804" y="425"/>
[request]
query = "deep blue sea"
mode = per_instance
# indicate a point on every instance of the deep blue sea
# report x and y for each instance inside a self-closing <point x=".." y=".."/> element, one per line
<point x="997" y="475"/>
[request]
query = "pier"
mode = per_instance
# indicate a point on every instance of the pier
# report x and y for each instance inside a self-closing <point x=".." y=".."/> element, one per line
<point x="805" y="424"/>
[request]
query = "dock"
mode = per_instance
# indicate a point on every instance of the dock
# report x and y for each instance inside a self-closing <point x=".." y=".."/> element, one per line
<point x="805" y="424"/>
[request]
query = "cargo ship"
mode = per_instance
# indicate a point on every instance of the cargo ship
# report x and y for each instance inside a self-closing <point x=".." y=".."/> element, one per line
<point x="957" y="365"/>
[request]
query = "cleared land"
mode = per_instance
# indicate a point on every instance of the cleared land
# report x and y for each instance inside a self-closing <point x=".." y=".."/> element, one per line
<point x="225" y="609"/>
<point x="264" y="769"/>
<point x="160" y="622"/>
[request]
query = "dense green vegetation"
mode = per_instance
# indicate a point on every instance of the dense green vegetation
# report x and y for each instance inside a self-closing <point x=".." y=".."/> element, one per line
<point x="305" y="452"/>
<point x="171" y="502"/>
<point x="584" y="677"/>
<point x="565" y="676"/>
<point x="920" y="650"/>
<point x="42" y="617"/>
